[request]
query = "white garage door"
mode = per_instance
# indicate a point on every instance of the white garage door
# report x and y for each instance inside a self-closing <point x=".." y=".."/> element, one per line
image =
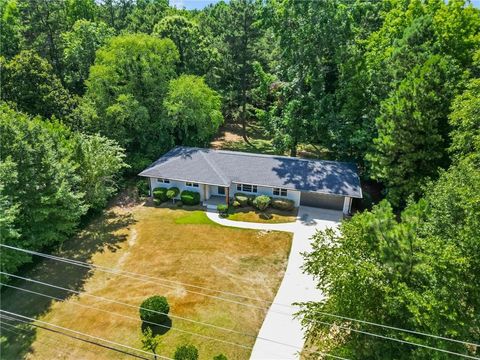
<point x="322" y="200"/>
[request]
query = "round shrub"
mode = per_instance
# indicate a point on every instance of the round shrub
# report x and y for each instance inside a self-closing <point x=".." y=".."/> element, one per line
<point x="241" y="198"/>
<point x="261" y="202"/>
<point x="251" y="199"/>
<point x="160" y="195"/>
<point x="283" y="204"/>
<point x="186" y="352"/>
<point x="220" y="357"/>
<point x="172" y="192"/>
<point x="190" y="197"/>
<point x="155" y="309"/>
<point x="222" y="209"/>
<point x="235" y="204"/>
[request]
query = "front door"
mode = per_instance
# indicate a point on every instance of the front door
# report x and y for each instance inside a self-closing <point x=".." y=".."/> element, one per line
<point x="221" y="190"/>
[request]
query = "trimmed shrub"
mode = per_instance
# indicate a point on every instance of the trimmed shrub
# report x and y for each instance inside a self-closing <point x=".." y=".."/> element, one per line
<point x="160" y="195"/>
<point x="220" y="357"/>
<point x="155" y="303"/>
<point x="261" y="202"/>
<point x="241" y="198"/>
<point x="235" y="204"/>
<point x="172" y="192"/>
<point x="283" y="204"/>
<point x="251" y="199"/>
<point x="222" y="209"/>
<point x="190" y="197"/>
<point x="186" y="352"/>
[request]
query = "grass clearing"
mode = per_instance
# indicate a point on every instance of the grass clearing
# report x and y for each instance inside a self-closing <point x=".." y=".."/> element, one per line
<point x="249" y="214"/>
<point x="174" y="244"/>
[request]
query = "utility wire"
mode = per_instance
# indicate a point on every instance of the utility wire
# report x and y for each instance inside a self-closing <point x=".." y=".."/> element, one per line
<point x="62" y="329"/>
<point x="129" y="317"/>
<point x="321" y="322"/>
<point x="132" y="306"/>
<point x="146" y="277"/>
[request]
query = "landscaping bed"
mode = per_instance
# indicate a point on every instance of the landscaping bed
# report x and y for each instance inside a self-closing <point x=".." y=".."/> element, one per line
<point x="251" y="214"/>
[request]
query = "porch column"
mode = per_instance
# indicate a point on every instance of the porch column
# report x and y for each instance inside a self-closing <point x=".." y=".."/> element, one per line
<point x="227" y="195"/>
<point x="347" y="205"/>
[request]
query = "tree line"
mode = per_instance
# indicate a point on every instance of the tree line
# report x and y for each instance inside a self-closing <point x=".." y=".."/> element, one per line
<point x="93" y="91"/>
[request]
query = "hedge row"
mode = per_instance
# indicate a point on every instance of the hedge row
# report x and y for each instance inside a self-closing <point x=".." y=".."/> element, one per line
<point x="162" y="194"/>
<point x="262" y="202"/>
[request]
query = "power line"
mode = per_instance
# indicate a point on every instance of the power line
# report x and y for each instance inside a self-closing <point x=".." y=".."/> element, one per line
<point x="146" y="278"/>
<point x="62" y="329"/>
<point x="129" y="317"/>
<point x="132" y="306"/>
<point x="269" y="340"/>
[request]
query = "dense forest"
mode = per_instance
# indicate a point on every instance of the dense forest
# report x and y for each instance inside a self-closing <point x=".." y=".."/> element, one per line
<point x="94" y="91"/>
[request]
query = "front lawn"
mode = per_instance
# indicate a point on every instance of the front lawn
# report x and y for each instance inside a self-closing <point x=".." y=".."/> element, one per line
<point x="251" y="214"/>
<point x="175" y="244"/>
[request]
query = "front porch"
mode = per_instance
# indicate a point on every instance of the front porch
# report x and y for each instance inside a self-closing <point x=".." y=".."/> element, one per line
<point x="214" y="200"/>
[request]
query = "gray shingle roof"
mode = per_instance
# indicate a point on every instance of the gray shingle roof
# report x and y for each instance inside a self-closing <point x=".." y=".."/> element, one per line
<point x="219" y="167"/>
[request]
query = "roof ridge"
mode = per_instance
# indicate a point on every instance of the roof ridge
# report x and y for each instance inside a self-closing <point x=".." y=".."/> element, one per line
<point x="219" y="173"/>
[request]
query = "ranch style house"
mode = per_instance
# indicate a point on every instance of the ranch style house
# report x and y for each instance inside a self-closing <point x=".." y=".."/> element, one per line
<point x="218" y="174"/>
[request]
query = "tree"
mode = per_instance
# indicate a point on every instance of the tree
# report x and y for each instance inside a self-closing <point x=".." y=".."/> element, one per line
<point x="125" y="92"/>
<point x="193" y="109"/>
<point x="146" y="14"/>
<point x="100" y="163"/>
<point x="413" y="129"/>
<point x="408" y="274"/>
<point x="186" y="352"/>
<point x="80" y="10"/>
<point x="80" y="45"/>
<point x="11" y="25"/>
<point x="192" y="46"/>
<point x="43" y="182"/>
<point x="151" y="342"/>
<point x="465" y="121"/>
<point x="29" y="82"/>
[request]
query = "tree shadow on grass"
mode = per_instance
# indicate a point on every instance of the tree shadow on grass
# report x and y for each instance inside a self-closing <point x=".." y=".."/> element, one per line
<point x="157" y="329"/>
<point x="102" y="233"/>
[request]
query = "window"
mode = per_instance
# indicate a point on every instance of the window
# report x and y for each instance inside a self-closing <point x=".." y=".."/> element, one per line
<point x="191" y="184"/>
<point x="165" y="181"/>
<point x="221" y="190"/>
<point x="247" y="188"/>
<point x="279" y="192"/>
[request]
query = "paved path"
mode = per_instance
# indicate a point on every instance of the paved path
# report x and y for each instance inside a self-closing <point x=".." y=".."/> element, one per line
<point x="279" y="326"/>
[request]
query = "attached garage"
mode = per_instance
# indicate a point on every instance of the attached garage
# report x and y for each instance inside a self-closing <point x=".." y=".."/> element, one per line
<point x="325" y="201"/>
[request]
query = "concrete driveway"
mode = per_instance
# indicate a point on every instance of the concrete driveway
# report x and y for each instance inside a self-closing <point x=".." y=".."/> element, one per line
<point x="281" y="336"/>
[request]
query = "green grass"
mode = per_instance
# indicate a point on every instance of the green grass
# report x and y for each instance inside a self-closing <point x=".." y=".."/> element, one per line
<point x="195" y="217"/>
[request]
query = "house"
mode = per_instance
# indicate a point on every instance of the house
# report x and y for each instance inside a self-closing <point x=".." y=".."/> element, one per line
<point x="217" y="175"/>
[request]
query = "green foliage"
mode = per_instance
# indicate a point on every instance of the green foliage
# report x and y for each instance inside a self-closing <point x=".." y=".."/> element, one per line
<point x="145" y="15"/>
<point x="155" y="309"/>
<point x="222" y="209"/>
<point x="190" y="197"/>
<point x="465" y="120"/>
<point x="80" y="45"/>
<point x="100" y="164"/>
<point x="29" y="82"/>
<point x="261" y="202"/>
<point x="11" y="25"/>
<point x="192" y="46"/>
<point x="172" y="192"/>
<point x="124" y="95"/>
<point x="193" y="110"/>
<point x="413" y="129"/>
<point x="282" y="204"/>
<point x="220" y="357"/>
<point x="149" y="341"/>
<point x="241" y="198"/>
<point x="186" y="352"/>
<point x="236" y="204"/>
<point x="41" y="189"/>
<point x="160" y="195"/>
<point x="143" y="187"/>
